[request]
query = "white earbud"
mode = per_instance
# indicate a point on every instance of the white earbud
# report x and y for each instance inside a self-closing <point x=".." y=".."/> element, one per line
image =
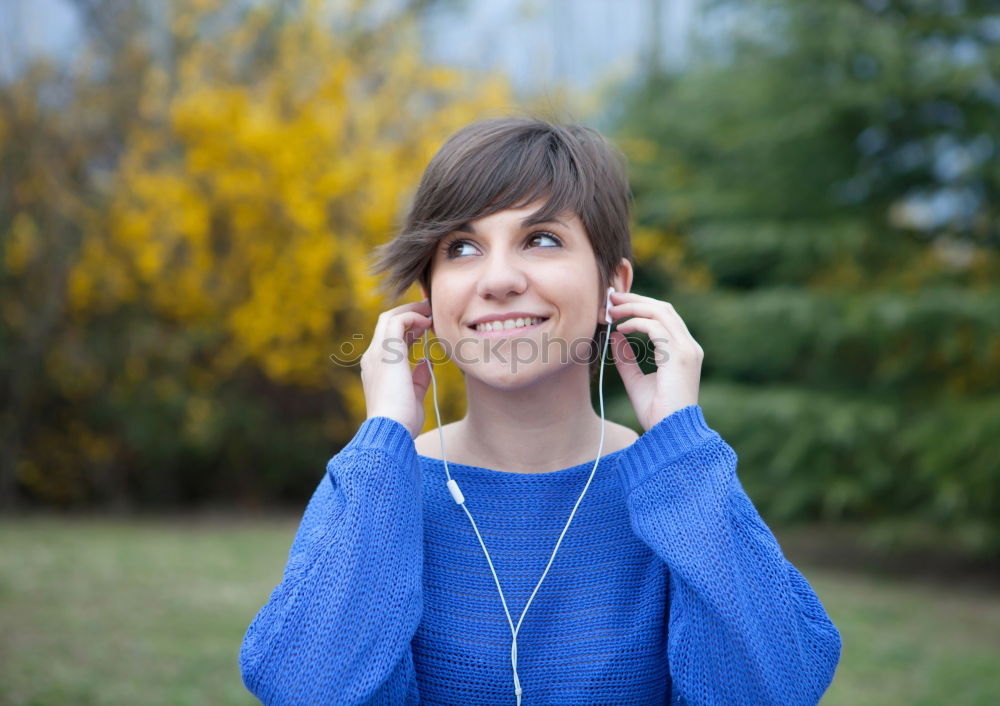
<point x="607" y="305"/>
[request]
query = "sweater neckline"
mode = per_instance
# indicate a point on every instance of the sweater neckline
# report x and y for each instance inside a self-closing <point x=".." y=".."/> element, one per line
<point x="569" y="472"/>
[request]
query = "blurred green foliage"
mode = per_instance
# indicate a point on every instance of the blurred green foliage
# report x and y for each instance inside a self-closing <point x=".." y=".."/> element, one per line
<point x="830" y="170"/>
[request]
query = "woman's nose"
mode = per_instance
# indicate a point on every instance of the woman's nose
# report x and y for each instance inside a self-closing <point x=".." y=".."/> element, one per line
<point x="500" y="277"/>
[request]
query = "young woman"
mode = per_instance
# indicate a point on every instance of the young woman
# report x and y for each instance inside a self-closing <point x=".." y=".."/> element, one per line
<point x="497" y="560"/>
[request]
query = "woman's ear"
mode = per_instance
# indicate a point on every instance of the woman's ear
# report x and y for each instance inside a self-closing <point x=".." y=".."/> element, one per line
<point x="424" y="293"/>
<point x="622" y="280"/>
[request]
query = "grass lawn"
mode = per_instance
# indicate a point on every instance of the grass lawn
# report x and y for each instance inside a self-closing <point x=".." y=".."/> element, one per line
<point x="152" y="612"/>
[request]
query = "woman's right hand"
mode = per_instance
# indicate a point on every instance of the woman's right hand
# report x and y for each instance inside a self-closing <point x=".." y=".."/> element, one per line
<point x="392" y="388"/>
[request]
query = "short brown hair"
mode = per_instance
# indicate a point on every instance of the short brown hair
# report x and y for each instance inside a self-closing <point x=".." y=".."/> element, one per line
<point x="492" y="165"/>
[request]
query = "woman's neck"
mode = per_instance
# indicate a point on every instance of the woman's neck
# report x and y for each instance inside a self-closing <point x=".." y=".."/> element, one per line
<point x="549" y="425"/>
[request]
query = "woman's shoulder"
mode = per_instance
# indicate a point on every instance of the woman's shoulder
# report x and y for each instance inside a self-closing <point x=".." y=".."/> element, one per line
<point x="422" y="443"/>
<point x="429" y="443"/>
<point x="618" y="436"/>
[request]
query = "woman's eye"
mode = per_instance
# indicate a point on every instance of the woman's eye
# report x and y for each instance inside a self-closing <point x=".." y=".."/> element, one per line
<point x="550" y="236"/>
<point x="455" y="248"/>
<point x="450" y="248"/>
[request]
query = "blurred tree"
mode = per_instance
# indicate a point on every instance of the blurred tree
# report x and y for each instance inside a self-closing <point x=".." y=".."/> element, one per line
<point x="823" y="189"/>
<point x="45" y="198"/>
<point x="228" y="169"/>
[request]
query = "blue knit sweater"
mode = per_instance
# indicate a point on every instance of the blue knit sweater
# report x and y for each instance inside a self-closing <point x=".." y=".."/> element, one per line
<point x="668" y="586"/>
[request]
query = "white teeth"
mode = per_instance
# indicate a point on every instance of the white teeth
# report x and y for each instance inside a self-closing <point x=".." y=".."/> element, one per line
<point x="508" y="324"/>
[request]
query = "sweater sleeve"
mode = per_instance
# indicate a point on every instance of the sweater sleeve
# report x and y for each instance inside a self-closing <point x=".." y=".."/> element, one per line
<point x="337" y="629"/>
<point x="745" y="627"/>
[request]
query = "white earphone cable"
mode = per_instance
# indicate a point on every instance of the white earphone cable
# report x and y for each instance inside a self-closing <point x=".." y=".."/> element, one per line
<point x="456" y="494"/>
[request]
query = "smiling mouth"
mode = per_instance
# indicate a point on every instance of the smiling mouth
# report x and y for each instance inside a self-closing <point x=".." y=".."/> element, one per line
<point x="507" y="328"/>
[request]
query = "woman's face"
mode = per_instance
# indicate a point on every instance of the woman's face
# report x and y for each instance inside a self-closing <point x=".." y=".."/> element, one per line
<point x="542" y="277"/>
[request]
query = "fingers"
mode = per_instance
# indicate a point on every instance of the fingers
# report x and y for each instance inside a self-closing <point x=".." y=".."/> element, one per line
<point x="673" y="325"/>
<point x="625" y="361"/>
<point x="408" y="326"/>
<point x="664" y="348"/>
<point x="397" y="328"/>
<point x="386" y="317"/>
<point x="399" y="321"/>
<point x="658" y="336"/>
<point x="645" y="311"/>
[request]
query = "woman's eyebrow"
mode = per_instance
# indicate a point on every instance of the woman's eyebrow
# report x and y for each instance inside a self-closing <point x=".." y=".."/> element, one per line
<point x="531" y="221"/>
<point x="526" y="223"/>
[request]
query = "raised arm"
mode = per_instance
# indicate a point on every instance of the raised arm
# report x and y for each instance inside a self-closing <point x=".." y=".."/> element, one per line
<point x="337" y="629"/>
<point x="745" y="627"/>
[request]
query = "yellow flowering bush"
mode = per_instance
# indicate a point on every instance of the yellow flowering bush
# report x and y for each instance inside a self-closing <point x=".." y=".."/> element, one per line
<point x="186" y="247"/>
<point x="249" y="201"/>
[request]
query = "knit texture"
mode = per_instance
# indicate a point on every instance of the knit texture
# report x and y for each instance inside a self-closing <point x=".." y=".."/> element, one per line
<point x="668" y="587"/>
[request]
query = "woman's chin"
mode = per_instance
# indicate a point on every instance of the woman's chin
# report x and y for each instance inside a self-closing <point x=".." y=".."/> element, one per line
<point x="505" y="376"/>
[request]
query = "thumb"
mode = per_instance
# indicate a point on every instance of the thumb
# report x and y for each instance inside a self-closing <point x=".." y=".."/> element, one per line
<point x="421" y="378"/>
<point x="625" y="362"/>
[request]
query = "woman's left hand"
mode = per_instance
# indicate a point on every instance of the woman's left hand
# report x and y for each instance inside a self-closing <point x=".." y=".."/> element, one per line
<point x="674" y="383"/>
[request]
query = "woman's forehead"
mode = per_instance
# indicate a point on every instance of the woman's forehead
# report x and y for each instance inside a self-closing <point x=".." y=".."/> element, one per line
<point x="526" y="216"/>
